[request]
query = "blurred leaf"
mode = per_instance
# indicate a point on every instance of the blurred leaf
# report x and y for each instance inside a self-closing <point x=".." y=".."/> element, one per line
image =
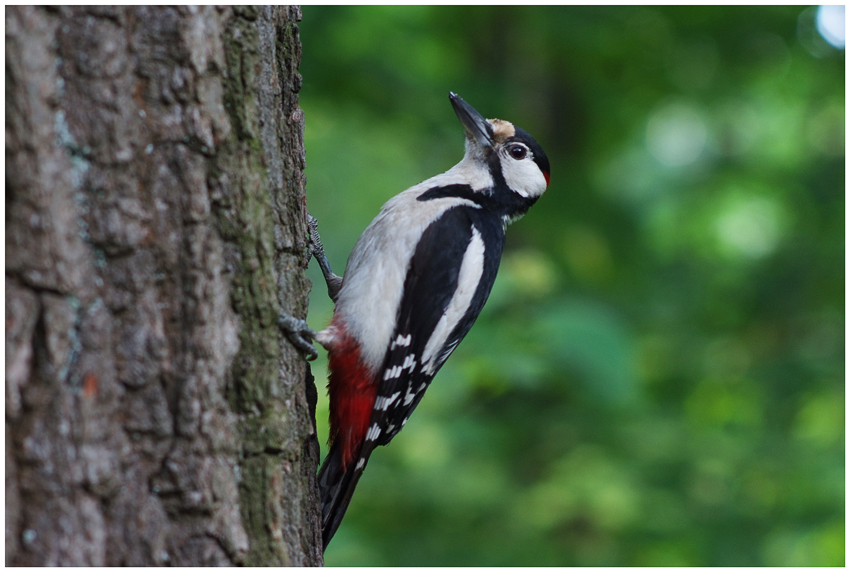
<point x="593" y="340"/>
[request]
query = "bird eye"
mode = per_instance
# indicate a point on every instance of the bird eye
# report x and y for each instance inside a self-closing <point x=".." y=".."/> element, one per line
<point x="517" y="152"/>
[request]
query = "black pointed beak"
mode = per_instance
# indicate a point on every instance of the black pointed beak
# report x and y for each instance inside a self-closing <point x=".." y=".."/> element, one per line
<point x="477" y="127"/>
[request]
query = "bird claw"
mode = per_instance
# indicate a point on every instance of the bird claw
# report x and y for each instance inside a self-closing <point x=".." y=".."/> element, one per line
<point x="300" y="334"/>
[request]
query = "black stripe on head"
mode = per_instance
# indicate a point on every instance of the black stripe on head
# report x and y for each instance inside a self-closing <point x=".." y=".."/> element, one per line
<point x="497" y="200"/>
<point x="455" y="191"/>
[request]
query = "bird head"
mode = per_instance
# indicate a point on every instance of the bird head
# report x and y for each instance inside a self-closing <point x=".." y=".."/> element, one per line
<point x="508" y="150"/>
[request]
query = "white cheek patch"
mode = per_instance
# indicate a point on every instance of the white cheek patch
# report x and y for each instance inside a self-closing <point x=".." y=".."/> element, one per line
<point x="524" y="177"/>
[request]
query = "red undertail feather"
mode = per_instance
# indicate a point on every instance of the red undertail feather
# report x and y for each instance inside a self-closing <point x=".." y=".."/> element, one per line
<point x="352" y="394"/>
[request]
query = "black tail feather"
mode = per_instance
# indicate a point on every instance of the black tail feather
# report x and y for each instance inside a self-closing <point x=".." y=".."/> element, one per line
<point x="335" y="490"/>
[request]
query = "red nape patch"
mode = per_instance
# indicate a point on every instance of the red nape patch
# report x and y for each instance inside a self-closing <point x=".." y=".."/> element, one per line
<point x="546" y="176"/>
<point x="352" y="394"/>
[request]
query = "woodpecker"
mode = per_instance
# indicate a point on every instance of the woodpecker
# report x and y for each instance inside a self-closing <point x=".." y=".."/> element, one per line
<point x="415" y="282"/>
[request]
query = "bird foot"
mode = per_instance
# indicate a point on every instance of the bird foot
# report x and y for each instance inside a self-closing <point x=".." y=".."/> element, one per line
<point x="300" y="334"/>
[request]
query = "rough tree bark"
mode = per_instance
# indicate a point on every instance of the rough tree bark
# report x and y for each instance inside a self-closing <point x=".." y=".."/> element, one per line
<point x="155" y="226"/>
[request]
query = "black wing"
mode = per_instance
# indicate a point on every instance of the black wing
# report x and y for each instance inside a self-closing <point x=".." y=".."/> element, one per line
<point x="431" y="282"/>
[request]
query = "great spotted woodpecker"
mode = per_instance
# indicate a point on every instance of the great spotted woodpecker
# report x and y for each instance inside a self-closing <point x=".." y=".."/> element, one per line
<point x="414" y="284"/>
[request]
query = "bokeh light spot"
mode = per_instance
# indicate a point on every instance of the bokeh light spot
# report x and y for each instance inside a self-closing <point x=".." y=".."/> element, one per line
<point x="820" y="30"/>
<point x="830" y="23"/>
<point x="676" y="134"/>
<point x="528" y="272"/>
<point x="750" y="227"/>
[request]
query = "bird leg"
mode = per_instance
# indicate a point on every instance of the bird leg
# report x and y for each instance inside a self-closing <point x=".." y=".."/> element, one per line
<point x="296" y="329"/>
<point x="333" y="281"/>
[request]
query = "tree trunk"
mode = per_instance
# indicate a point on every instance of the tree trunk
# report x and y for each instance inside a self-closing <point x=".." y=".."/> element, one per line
<point x="155" y="226"/>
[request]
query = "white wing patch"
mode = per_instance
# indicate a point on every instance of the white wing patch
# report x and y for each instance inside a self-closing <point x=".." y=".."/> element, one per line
<point x="401" y="341"/>
<point x="408" y="396"/>
<point x="383" y="403"/>
<point x="373" y="433"/>
<point x="471" y="270"/>
<point x="394" y="372"/>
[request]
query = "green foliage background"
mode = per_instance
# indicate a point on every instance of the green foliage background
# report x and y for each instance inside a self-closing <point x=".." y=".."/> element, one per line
<point x="657" y="378"/>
